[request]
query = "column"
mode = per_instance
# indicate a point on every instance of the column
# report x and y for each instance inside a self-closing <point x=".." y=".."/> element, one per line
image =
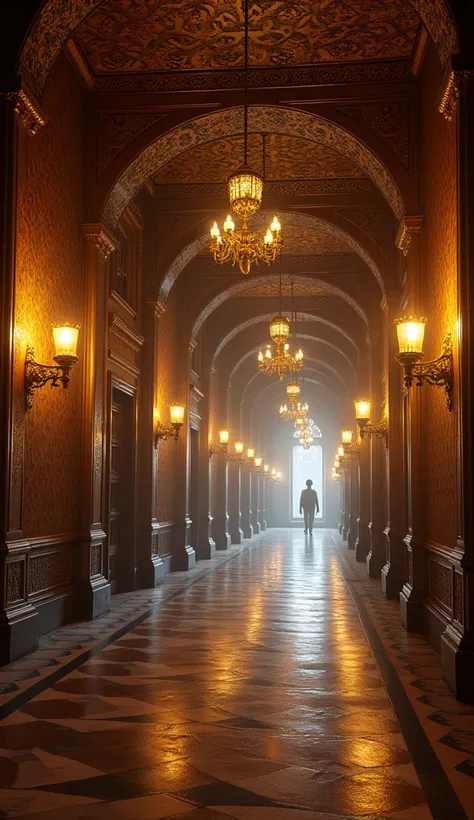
<point x="457" y="642"/>
<point x="347" y="502"/>
<point x="255" y="501"/>
<point x="393" y="571"/>
<point x="362" y="544"/>
<point x="233" y="502"/>
<point x="245" y="498"/>
<point x="353" y="471"/>
<point x="183" y="554"/>
<point x="220" y="523"/>
<point x="343" y="502"/>
<point x="149" y="564"/>
<point x="263" y="502"/>
<point x="205" y="545"/>
<point x="376" y="556"/>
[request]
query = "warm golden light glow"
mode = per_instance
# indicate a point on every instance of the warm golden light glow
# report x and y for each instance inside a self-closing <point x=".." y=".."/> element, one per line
<point x="273" y="471"/>
<point x="224" y="436"/>
<point x="258" y="461"/>
<point x="411" y="332"/>
<point x="340" y="451"/>
<point x="362" y="409"/>
<point x="65" y="340"/>
<point x="278" y="475"/>
<point x="346" y="436"/>
<point x="177" y="413"/>
<point x="279" y="329"/>
<point x="239" y="447"/>
<point x="293" y="389"/>
<point x="250" y="452"/>
<point x="265" y="468"/>
<point x="245" y="192"/>
<point x="229" y="224"/>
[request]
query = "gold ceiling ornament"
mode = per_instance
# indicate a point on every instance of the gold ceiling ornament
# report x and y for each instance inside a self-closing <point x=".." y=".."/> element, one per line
<point x="245" y="188"/>
<point x="297" y="409"/>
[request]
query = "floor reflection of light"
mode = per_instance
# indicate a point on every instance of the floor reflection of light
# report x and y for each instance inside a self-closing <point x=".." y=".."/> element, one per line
<point x="255" y="615"/>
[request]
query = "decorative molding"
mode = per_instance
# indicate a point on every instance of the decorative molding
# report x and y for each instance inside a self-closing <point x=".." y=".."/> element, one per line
<point x="159" y="307"/>
<point x="80" y="64"/>
<point x="449" y="94"/>
<point x="48" y="569"/>
<point x="349" y="73"/>
<point x="291" y="187"/>
<point x="121" y="330"/>
<point x="192" y="345"/>
<point x="125" y="364"/>
<point x="409" y="227"/>
<point x="458" y="597"/>
<point x="440" y="583"/>
<point x="27" y="109"/>
<point x="96" y="559"/>
<point x="98" y="235"/>
<point x="15" y="582"/>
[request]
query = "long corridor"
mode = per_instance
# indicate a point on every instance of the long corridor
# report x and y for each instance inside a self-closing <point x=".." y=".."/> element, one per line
<point x="259" y="691"/>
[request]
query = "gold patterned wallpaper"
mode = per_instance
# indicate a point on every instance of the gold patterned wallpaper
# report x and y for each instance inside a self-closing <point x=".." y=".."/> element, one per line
<point x="166" y="393"/>
<point x="285" y="158"/>
<point x="173" y="35"/>
<point x="50" y="288"/>
<point x="438" y="288"/>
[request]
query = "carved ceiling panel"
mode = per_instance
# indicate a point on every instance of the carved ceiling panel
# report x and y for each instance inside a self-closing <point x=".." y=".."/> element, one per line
<point x="286" y="158"/>
<point x="268" y="290"/>
<point x="174" y="35"/>
<point x="389" y="120"/>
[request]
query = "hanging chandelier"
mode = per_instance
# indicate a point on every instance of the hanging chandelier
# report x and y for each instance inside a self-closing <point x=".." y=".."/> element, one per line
<point x="297" y="409"/>
<point x="245" y="189"/>
<point x="282" y="362"/>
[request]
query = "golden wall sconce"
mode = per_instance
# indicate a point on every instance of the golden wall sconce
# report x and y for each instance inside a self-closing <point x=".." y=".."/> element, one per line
<point x="350" y="448"/>
<point x="411" y="332"/>
<point x="37" y="375"/>
<point x="172" y="430"/>
<point x="376" y="428"/>
<point x="250" y="455"/>
<point x="238" y="454"/>
<point x="220" y="446"/>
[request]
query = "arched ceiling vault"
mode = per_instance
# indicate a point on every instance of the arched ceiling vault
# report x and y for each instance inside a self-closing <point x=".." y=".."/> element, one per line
<point x="268" y="316"/>
<point x="56" y="21"/>
<point x="229" y="122"/>
<point x="246" y="284"/>
<point x="298" y="221"/>
<point x="308" y="358"/>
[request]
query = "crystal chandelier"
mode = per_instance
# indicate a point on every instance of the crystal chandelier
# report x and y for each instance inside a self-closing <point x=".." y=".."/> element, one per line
<point x="297" y="409"/>
<point x="283" y="362"/>
<point x="245" y="189"/>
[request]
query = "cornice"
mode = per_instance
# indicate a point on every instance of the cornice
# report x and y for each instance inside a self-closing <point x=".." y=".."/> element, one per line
<point x="26" y="108"/>
<point x="98" y="235"/>
<point x="293" y="187"/>
<point x="409" y="226"/>
<point x="121" y="330"/>
<point x="332" y="74"/>
<point x="459" y="69"/>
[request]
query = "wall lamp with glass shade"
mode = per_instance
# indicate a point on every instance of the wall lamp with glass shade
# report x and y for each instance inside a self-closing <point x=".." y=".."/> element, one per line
<point x="37" y="375"/>
<point x="411" y="333"/>
<point x="238" y="454"/>
<point x="172" y="430"/>
<point x="251" y="454"/>
<point x="350" y="448"/>
<point x="376" y="428"/>
<point x="221" y="445"/>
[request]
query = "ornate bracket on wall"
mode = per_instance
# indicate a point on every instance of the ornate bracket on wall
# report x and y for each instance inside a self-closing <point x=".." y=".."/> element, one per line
<point x="409" y="227"/>
<point x="459" y="69"/>
<point x="26" y="108"/>
<point x="438" y="371"/>
<point x="37" y="375"/>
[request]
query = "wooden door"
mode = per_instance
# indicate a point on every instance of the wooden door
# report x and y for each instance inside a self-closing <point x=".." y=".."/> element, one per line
<point x="121" y="491"/>
<point x="115" y="494"/>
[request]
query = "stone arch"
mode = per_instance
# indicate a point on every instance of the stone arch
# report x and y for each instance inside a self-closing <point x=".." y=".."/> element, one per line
<point x="229" y="122"/>
<point x="288" y="218"/>
<point x="246" y="284"/>
<point x="308" y="317"/>
<point x="310" y="380"/>
<point x="56" y="21"/>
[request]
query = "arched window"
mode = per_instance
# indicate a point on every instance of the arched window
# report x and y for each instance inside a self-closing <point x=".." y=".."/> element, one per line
<point x="306" y="464"/>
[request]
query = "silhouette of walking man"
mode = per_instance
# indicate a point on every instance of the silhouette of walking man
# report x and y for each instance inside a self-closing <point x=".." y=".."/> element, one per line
<point x="308" y="504"/>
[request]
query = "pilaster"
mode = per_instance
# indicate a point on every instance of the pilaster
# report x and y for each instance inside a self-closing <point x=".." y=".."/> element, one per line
<point x="255" y="502"/>
<point x="245" y="499"/>
<point x="183" y="553"/>
<point x="233" y="502"/>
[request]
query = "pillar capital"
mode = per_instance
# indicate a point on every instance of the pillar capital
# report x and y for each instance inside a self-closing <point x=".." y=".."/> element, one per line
<point x="459" y="69"/>
<point x="98" y="235"/>
<point x="25" y="106"/>
<point x="409" y="227"/>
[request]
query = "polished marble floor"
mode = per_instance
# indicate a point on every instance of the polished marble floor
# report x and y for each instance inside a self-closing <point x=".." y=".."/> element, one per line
<point x="256" y="687"/>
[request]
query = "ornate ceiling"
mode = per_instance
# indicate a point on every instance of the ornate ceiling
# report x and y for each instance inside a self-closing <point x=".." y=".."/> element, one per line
<point x="285" y="158"/>
<point x="174" y="35"/>
<point x="267" y="290"/>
